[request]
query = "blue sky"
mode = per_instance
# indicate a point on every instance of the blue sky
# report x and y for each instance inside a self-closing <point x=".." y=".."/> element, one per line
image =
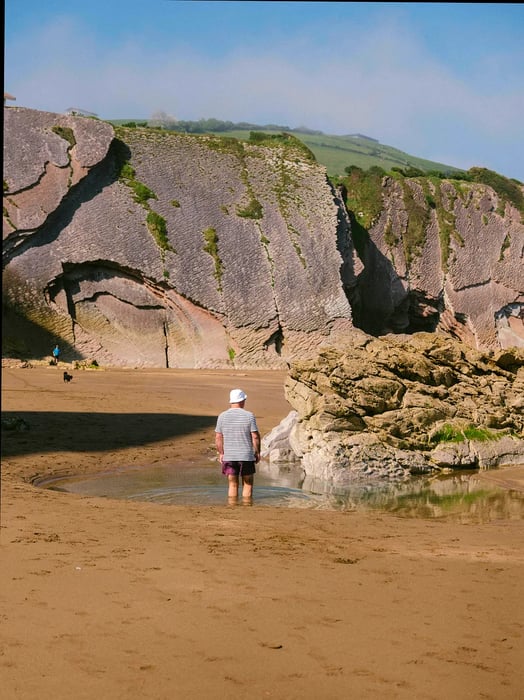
<point x="443" y="81"/>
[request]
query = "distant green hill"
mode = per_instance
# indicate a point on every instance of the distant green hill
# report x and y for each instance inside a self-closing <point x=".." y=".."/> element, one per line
<point x="339" y="152"/>
<point x="336" y="153"/>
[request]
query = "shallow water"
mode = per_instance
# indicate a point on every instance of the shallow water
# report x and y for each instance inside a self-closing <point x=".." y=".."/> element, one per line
<point x="461" y="496"/>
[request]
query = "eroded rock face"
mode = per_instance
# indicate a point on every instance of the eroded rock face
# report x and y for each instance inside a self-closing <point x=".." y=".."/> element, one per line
<point x="230" y="259"/>
<point x="44" y="156"/>
<point x="460" y="269"/>
<point x="149" y="248"/>
<point x="383" y="408"/>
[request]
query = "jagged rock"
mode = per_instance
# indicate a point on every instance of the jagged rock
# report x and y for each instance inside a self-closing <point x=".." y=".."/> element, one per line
<point x="275" y="445"/>
<point x="381" y="408"/>
<point x="483" y="455"/>
<point x="453" y="455"/>
<point x="45" y="154"/>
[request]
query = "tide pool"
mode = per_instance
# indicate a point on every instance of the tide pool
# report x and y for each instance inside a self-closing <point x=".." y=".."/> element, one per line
<point x="460" y="496"/>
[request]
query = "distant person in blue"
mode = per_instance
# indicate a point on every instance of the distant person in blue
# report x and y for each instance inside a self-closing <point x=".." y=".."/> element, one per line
<point x="56" y="354"/>
<point x="237" y="440"/>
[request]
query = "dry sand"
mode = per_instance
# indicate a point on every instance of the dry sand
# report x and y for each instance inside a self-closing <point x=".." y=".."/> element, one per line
<point x="116" y="599"/>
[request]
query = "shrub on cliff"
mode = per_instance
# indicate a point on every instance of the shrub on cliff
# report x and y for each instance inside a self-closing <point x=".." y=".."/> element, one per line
<point x="364" y="193"/>
<point x="508" y="190"/>
<point x="260" y="138"/>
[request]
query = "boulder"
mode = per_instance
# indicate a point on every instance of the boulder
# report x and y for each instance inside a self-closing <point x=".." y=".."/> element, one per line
<point x="275" y="445"/>
<point x="399" y="405"/>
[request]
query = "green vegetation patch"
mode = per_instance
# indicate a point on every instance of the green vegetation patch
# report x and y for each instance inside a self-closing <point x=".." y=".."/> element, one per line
<point x="156" y="225"/>
<point x="293" y="145"/>
<point x="65" y="133"/>
<point x="364" y="193"/>
<point x="142" y="193"/>
<point x="86" y="364"/>
<point x="252" y="211"/>
<point x="507" y="189"/>
<point x="211" y="247"/>
<point x="224" y="144"/>
<point x="332" y="151"/>
<point x="127" y="172"/>
<point x="418" y="216"/>
<point x="454" y="433"/>
<point x="505" y="245"/>
<point x="364" y="201"/>
<point x="287" y="193"/>
<point x="134" y="125"/>
<point x="445" y="218"/>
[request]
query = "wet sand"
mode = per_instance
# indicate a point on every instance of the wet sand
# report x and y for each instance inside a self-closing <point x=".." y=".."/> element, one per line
<point x="118" y="599"/>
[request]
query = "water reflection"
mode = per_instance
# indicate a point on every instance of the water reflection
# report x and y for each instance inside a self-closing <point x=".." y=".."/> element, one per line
<point x="461" y="497"/>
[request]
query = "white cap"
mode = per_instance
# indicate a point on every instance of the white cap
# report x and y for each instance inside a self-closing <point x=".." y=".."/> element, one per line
<point x="237" y="396"/>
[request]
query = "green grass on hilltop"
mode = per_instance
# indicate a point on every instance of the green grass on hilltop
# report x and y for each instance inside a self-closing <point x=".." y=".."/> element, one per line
<point x="343" y="156"/>
<point x="335" y="153"/>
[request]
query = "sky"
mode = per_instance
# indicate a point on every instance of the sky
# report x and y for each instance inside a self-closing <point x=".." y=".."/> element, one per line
<point x="441" y="81"/>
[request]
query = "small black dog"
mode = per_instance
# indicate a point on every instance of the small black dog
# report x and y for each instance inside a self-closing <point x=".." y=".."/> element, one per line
<point x="67" y="377"/>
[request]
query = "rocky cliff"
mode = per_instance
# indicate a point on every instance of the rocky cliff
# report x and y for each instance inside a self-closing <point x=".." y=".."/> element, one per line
<point x="444" y="256"/>
<point x="148" y="248"/>
<point x="143" y="247"/>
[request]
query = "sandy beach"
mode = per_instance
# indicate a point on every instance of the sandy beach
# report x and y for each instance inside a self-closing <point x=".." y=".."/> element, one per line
<point x="120" y="600"/>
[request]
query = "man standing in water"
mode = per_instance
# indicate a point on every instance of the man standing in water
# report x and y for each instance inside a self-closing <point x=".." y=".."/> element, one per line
<point x="237" y="440"/>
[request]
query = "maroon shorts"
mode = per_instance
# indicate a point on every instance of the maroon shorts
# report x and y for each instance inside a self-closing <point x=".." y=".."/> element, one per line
<point x="238" y="468"/>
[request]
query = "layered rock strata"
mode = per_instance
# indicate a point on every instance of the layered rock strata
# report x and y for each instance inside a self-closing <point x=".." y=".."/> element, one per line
<point x="401" y="405"/>
<point x="444" y="256"/>
<point x="168" y="249"/>
<point x="142" y="247"/>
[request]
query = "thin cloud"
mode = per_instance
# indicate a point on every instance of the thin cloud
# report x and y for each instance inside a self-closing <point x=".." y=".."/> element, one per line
<point x="383" y="82"/>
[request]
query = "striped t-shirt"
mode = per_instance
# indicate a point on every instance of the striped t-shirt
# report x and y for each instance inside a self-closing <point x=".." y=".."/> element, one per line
<point x="236" y="425"/>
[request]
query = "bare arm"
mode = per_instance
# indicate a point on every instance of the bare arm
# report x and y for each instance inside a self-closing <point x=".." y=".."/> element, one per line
<point x="255" y="438"/>
<point x="219" y="444"/>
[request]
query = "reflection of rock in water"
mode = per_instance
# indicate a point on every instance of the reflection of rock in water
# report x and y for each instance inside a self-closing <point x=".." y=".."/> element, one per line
<point x="461" y="497"/>
<point x="349" y="494"/>
<point x="458" y="496"/>
<point x="498" y="504"/>
<point x="288" y="475"/>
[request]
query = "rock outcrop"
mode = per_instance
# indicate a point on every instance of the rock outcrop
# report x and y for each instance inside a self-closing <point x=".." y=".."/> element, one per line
<point x="444" y="256"/>
<point x="167" y="249"/>
<point x="143" y="247"/>
<point x="401" y="405"/>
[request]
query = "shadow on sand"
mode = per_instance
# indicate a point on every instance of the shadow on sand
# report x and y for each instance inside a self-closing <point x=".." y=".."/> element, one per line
<point x="36" y="432"/>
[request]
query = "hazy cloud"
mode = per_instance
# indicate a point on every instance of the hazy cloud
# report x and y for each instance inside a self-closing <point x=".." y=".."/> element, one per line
<point x="382" y="82"/>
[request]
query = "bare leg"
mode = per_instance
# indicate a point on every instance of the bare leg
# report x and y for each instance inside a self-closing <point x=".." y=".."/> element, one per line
<point x="247" y="488"/>
<point x="232" y="493"/>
